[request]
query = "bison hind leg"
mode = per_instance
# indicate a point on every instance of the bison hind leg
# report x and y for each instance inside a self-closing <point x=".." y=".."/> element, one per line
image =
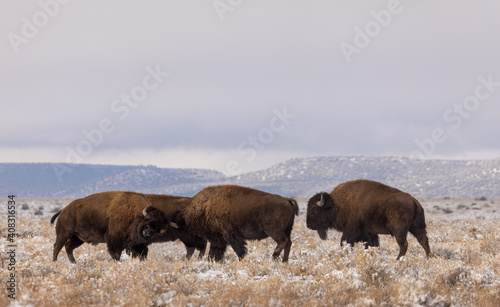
<point x="421" y="235"/>
<point x="61" y="240"/>
<point x="72" y="243"/>
<point x="284" y="243"/>
<point x="403" y="244"/>
<point x="286" y="252"/>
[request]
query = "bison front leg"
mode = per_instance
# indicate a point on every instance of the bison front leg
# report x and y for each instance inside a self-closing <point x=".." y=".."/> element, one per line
<point x="189" y="252"/>
<point x="193" y="244"/>
<point x="217" y="251"/>
<point x="202" y="247"/>
<point x="374" y="240"/>
<point x="191" y="249"/>
<point x="350" y="237"/>
<point x="139" y="250"/>
<point x="115" y="248"/>
<point x="342" y="240"/>
<point x="352" y="233"/>
<point x="238" y="244"/>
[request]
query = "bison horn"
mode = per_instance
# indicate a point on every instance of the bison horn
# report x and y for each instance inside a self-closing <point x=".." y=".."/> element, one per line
<point x="144" y="212"/>
<point x="174" y="225"/>
<point x="321" y="202"/>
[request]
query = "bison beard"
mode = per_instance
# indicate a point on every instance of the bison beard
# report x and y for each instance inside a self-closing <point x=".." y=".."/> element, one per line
<point x="230" y="215"/>
<point x="363" y="209"/>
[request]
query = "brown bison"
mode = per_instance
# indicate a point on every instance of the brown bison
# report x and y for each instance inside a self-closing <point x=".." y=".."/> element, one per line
<point x="363" y="209"/>
<point x="119" y="219"/>
<point x="171" y="206"/>
<point x="231" y="214"/>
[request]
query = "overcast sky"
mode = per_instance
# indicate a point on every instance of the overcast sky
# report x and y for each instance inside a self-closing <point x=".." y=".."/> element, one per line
<point x="240" y="85"/>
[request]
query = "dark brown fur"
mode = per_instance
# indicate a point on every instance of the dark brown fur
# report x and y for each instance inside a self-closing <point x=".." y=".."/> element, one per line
<point x="363" y="209"/>
<point x="114" y="218"/>
<point x="171" y="206"/>
<point x="230" y="214"/>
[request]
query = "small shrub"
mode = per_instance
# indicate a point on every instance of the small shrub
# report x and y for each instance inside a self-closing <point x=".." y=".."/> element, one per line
<point x="39" y="211"/>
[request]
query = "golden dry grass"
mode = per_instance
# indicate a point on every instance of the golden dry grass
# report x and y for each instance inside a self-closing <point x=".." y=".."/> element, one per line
<point x="464" y="272"/>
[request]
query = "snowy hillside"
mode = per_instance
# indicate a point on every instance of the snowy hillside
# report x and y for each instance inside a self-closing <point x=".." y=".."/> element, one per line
<point x="297" y="177"/>
<point x="422" y="178"/>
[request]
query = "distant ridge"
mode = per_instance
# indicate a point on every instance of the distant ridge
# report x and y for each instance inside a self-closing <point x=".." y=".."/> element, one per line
<point x="77" y="180"/>
<point x="300" y="177"/>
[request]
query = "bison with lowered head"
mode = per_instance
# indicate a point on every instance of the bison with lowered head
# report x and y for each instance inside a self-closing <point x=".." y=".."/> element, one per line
<point x="230" y="214"/>
<point x="363" y="209"/>
<point x="119" y="219"/>
<point x="171" y="206"/>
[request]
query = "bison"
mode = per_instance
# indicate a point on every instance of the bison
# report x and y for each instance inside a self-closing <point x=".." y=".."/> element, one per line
<point x="363" y="209"/>
<point x="119" y="219"/>
<point x="171" y="206"/>
<point x="230" y="214"/>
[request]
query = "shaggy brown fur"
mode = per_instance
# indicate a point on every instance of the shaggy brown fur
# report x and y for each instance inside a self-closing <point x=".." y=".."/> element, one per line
<point x="171" y="206"/>
<point x="363" y="209"/>
<point x="114" y="218"/>
<point x="230" y="214"/>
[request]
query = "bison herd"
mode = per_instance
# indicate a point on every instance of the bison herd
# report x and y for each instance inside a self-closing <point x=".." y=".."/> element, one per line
<point x="230" y="215"/>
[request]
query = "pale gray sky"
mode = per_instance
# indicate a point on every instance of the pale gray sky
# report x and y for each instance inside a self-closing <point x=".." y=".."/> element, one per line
<point x="250" y="83"/>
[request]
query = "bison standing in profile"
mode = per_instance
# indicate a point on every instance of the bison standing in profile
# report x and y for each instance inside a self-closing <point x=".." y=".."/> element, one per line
<point x="122" y="220"/>
<point x="231" y="214"/>
<point x="171" y="206"/>
<point x="363" y="209"/>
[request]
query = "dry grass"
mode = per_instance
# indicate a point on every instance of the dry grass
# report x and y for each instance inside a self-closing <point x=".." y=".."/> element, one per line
<point x="464" y="272"/>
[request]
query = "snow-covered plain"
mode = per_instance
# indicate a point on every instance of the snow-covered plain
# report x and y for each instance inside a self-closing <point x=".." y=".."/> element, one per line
<point x="464" y="237"/>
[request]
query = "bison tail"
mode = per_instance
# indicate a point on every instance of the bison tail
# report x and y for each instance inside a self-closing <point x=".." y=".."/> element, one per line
<point x="55" y="216"/>
<point x="419" y="219"/>
<point x="293" y="202"/>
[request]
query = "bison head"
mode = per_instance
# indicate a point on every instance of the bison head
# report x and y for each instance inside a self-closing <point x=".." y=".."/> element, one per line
<point x="152" y="222"/>
<point x="317" y="213"/>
